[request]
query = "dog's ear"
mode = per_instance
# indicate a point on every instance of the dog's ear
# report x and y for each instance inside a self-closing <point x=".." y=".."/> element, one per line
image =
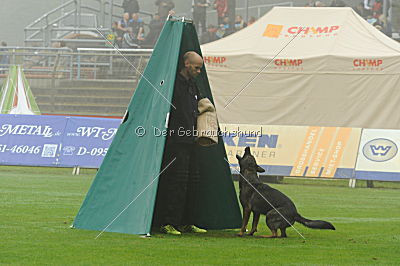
<point x="238" y="157"/>
<point x="247" y="150"/>
<point x="260" y="169"/>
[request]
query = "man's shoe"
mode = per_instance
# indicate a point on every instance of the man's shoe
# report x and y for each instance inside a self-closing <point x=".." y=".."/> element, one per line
<point x="169" y="229"/>
<point x="193" y="229"/>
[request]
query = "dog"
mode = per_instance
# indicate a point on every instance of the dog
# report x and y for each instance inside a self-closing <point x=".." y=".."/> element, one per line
<point x="279" y="209"/>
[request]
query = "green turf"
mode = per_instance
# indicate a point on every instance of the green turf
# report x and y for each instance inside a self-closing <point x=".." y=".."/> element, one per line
<point x="39" y="204"/>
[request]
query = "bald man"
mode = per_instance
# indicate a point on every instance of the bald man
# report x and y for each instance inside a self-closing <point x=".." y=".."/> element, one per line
<point x="177" y="187"/>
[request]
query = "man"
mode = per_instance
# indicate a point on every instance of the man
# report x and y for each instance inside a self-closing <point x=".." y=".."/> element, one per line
<point x="136" y="27"/>
<point x="155" y="28"/>
<point x="210" y="35"/>
<point x="239" y="23"/>
<point x="164" y="8"/>
<point x="222" y="9"/>
<point x="130" y="6"/>
<point x="179" y="182"/>
<point x="122" y="26"/>
<point x="200" y="13"/>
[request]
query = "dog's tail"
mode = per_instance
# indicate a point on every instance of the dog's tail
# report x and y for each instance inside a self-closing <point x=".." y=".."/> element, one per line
<point x="315" y="224"/>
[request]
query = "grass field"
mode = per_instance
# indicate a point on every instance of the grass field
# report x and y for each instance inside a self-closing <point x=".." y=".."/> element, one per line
<point x="39" y="204"/>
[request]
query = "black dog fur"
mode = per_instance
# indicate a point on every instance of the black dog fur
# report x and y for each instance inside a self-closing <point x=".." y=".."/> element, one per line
<point x="270" y="203"/>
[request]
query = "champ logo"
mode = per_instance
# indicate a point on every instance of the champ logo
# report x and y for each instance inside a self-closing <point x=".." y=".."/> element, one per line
<point x="313" y="30"/>
<point x="215" y="60"/>
<point x="288" y="64"/>
<point x="380" y="150"/>
<point x="367" y="62"/>
<point x="274" y="31"/>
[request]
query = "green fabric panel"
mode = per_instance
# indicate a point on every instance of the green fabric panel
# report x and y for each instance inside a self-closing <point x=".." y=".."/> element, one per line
<point x="133" y="162"/>
<point x="217" y="205"/>
<point x="8" y="90"/>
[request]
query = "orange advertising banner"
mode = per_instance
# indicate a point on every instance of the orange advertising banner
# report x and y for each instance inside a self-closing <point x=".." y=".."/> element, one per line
<point x="329" y="152"/>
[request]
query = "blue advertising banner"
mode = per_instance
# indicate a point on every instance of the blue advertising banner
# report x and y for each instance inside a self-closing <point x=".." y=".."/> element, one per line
<point x="30" y="139"/>
<point x="40" y="140"/>
<point x="86" y="141"/>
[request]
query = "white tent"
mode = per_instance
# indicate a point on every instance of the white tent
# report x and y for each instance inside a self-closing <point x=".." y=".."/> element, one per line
<point x="320" y="67"/>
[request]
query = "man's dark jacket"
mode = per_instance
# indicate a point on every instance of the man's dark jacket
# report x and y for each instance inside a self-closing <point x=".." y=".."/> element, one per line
<point x="184" y="117"/>
<point x="131" y="6"/>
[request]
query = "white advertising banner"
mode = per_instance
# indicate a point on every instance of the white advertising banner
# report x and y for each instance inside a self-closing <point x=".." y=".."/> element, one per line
<point x="378" y="155"/>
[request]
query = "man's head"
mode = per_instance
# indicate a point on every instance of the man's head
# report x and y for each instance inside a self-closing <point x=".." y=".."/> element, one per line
<point x="135" y="16"/>
<point x="226" y="20"/>
<point x="126" y="16"/>
<point x="193" y="63"/>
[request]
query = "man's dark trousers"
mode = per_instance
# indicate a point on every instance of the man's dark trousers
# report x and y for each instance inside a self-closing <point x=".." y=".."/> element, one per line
<point x="178" y="184"/>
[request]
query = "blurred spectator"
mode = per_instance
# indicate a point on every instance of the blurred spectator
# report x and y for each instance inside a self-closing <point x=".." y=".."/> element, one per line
<point x="164" y="7"/>
<point x="222" y="9"/>
<point x="130" y="6"/>
<point x="377" y="7"/>
<point x="251" y="21"/>
<point x="136" y="27"/>
<point x="226" y="25"/>
<point x="368" y="4"/>
<point x="210" y="35"/>
<point x="361" y="10"/>
<point x="319" y="4"/>
<point x="200" y="13"/>
<point x="122" y="26"/>
<point x="371" y="19"/>
<point x="338" y="3"/>
<point x="239" y="23"/>
<point x="220" y="33"/>
<point x="155" y="27"/>
<point x="5" y="58"/>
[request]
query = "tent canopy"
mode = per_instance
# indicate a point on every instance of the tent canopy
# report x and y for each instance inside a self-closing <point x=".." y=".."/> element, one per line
<point x="307" y="66"/>
<point x="123" y="193"/>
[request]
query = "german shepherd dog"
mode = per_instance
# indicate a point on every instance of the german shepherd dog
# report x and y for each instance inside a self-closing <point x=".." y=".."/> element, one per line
<point x="273" y="203"/>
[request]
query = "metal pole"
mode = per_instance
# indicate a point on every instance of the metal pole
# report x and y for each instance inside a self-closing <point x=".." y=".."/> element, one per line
<point x="70" y="66"/>
<point x="62" y="9"/>
<point x="102" y="14"/>
<point x="111" y="12"/>
<point x="231" y="15"/>
<point x="385" y="13"/>
<point x="79" y="15"/>
<point x="76" y="15"/>
<point x="78" y="74"/>
<point x="247" y="11"/>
